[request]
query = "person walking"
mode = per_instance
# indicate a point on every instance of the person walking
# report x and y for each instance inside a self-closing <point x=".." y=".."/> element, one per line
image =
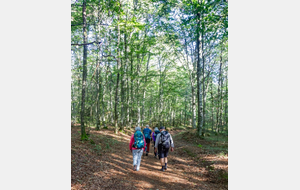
<point x="154" y="135"/>
<point x="147" y="133"/>
<point x="137" y="146"/>
<point x="163" y="142"/>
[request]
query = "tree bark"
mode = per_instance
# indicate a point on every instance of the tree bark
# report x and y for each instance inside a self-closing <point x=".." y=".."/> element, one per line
<point x="117" y="83"/>
<point x="199" y="91"/>
<point x="218" y="100"/>
<point x="144" y="90"/>
<point x="84" y="74"/>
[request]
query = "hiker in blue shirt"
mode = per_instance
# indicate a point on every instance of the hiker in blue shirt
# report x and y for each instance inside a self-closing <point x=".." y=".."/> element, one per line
<point x="163" y="142"/>
<point x="147" y="133"/>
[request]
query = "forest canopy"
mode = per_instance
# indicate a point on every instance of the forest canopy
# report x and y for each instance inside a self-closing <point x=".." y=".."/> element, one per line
<point x="161" y="63"/>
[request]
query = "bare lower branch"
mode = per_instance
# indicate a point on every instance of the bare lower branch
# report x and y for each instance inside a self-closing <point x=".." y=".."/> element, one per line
<point x="86" y="44"/>
<point x="88" y="24"/>
<point x="110" y="56"/>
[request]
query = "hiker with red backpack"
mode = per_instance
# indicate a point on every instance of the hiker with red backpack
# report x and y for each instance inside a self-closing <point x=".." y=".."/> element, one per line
<point x="163" y="142"/>
<point x="154" y="135"/>
<point x="137" y="146"/>
<point x="147" y="134"/>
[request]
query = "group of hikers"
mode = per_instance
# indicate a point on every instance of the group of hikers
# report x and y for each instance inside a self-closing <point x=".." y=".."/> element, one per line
<point x="140" y="144"/>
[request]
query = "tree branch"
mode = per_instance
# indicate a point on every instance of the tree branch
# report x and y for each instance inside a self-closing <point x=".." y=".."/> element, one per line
<point x="111" y="56"/>
<point x="86" y="43"/>
<point x="209" y="71"/>
<point x="88" y="24"/>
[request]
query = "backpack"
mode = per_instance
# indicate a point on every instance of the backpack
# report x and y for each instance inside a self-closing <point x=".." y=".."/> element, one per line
<point x="147" y="133"/>
<point x="156" y="133"/>
<point x="138" y="140"/>
<point x="165" y="139"/>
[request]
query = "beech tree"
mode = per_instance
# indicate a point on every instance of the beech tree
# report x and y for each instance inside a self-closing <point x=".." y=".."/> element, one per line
<point x="149" y="62"/>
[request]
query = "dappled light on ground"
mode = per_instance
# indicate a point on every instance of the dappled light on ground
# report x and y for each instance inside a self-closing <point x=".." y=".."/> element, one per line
<point x="107" y="164"/>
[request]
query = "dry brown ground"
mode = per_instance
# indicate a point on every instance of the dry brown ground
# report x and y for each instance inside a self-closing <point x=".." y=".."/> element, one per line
<point x="107" y="164"/>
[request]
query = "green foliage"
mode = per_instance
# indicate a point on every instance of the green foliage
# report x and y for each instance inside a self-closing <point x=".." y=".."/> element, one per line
<point x="221" y="154"/>
<point x="84" y="137"/>
<point x="92" y="142"/>
<point x="189" y="152"/>
<point x="97" y="148"/>
<point x="107" y="146"/>
<point x="210" y="168"/>
<point x="129" y="32"/>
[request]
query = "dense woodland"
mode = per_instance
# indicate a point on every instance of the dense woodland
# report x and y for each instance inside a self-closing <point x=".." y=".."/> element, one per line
<point x="138" y="62"/>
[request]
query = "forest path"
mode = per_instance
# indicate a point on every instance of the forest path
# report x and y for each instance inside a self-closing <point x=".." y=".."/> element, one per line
<point x="112" y="167"/>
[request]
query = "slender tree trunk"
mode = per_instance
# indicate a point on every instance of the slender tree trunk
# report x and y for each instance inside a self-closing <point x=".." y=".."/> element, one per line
<point x="161" y="96"/>
<point x="193" y="107"/>
<point x="221" y="109"/>
<point x="218" y="100"/>
<point x="203" y="84"/>
<point x="97" y="99"/>
<point x="131" y="90"/>
<point x="127" y="83"/>
<point x="122" y="97"/>
<point x="137" y="92"/>
<point x="185" y="107"/>
<point x="226" y="103"/>
<point x="84" y="73"/>
<point x="212" y="106"/>
<point x="111" y="100"/>
<point x="174" y="113"/>
<point x="117" y="83"/>
<point x="144" y="91"/>
<point x="102" y="93"/>
<point x="199" y="91"/>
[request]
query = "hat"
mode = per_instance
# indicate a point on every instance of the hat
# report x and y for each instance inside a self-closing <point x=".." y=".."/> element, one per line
<point x="156" y="129"/>
<point x="137" y="128"/>
<point x="162" y="127"/>
<point x="147" y="126"/>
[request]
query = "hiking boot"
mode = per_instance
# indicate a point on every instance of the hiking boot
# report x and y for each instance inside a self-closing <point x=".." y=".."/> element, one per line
<point x="134" y="168"/>
<point x="147" y="154"/>
<point x="165" y="167"/>
<point x="162" y="169"/>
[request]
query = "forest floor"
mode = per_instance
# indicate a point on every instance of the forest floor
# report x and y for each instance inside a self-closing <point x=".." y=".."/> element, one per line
<point x="106" y="162"/>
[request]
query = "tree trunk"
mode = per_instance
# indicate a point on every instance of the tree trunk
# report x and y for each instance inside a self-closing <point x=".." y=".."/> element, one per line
<point x="84" y="74"/>
<point x="137" y="92"/>
<point x="185" y="107"/>
<point x="97" y="99"/>
<point x="218" y="100"/>
<point x="144" y="91"/>
<point x="131" y="91"/>
<point x="193" y="108"/>
<point x="117" y="83"/>
<point x="212" y="106"/>
<point x="203" y="85"/>
<point x="127" y="83"/>
<point x="226" y="103"/>
<point x="199" y="91"/>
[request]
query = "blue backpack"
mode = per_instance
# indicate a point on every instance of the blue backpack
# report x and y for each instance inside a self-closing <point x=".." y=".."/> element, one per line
<point x="138" y="140"/>
<point x="156" y="133"/>
<point x="147" y="133"/>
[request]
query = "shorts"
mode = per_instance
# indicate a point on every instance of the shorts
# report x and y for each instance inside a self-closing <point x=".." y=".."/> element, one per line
<point x="162" y="153"/>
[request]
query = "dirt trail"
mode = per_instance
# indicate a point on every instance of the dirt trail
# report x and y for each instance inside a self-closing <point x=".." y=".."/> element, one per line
<point x="110" y="167"/>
